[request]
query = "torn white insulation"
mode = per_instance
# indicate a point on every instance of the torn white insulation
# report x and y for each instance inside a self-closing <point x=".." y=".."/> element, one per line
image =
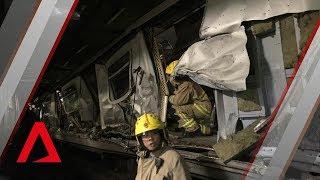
<point x="225" y="40"/>
<point x="220" y="62"/>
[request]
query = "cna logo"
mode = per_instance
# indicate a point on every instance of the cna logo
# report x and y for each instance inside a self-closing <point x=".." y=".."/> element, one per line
<point x="23" y="64"/>
<point x="39" y="130"/>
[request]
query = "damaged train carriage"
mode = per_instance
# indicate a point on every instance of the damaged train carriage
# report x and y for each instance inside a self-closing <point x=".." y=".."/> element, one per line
<point x="242" y="58"/>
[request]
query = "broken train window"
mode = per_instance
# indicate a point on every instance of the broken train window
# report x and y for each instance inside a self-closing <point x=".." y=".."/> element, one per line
<point x="119" y="77"/>
<point x="71" y="100"/>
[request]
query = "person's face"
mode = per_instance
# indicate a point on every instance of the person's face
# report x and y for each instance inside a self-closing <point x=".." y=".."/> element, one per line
<point x="151" y="140"/>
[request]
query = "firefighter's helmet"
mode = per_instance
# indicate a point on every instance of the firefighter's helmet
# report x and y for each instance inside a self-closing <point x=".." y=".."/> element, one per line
<point x="171" y="66"/>
<point x="147" y="122"/>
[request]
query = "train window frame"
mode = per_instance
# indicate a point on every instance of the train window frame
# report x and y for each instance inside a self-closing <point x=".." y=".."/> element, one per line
<point x="74" y="94"/>
<point x="127" y="54"/>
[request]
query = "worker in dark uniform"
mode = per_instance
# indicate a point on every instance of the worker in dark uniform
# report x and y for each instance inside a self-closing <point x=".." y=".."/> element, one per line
<point x="157" y="161"/>
<point x="191" y="104"/>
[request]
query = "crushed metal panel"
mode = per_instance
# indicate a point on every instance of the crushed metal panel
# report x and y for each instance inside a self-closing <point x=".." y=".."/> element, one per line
<point x="146" y="83"/>
<point x="141" y="77"/>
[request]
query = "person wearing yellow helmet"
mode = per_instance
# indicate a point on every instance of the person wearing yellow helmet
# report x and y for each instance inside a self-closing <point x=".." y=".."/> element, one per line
<point x="170" y="68"/>
<point x="190" y="102"/>
<point x="156" y="159"/>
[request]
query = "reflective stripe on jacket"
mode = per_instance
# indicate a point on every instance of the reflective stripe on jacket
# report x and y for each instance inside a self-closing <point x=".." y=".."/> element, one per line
<point x="191" y="100"/>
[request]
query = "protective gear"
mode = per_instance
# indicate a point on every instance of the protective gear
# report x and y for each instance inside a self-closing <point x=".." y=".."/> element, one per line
<point x="205" y="129"/>
<point x="147" y="122"/>
<point x="189" y="124"/>
<point x="193" y="107"/>
<point x="165" y="163"/>
<point x="171" y="66"/>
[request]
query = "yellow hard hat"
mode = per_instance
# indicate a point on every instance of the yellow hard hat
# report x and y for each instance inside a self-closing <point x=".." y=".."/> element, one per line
<point x="147" y="122"/>
<point x="171" y="66"/>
